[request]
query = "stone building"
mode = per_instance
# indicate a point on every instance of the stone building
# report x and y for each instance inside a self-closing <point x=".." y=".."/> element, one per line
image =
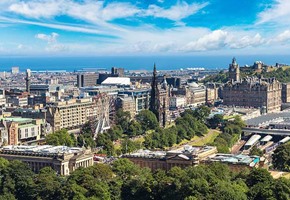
<point x="189" y="156"/>
<point x="252" y="91"/>
<point x="62" y="159"/>
<point x="127" y="104"/>
<point x="234" y="71"/>
<point x="212" y="92"/>
<point x="133" y="100"/>
<point x="73" y="114"/>
<point x="194" y="94"/>
<point x="17" y="130"/>
<point x="286" y="93"/>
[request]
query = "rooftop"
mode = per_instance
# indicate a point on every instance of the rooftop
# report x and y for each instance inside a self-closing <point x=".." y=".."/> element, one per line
<point x="253" y="140"/>
<point x="116" y="81"/>
<point x="41" y="149"/>
<point x="235" y="159"/>
<point x="16" y="119"/>
<point x="268" y="118"/>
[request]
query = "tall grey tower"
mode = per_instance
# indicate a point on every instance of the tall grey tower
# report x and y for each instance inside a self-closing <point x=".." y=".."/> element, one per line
<point x="234" y="71"/>
<point x="28" y="75"/>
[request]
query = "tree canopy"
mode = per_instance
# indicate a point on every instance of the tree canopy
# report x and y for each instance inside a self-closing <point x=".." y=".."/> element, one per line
<point x="61" y="137"/>
<point x="147" y="120"/>
<point x="124" y="180"/>
<point x="281" y="157"/>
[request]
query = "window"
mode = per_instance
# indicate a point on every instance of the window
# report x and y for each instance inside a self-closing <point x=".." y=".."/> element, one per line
<point x="32" y="131"/>
<point x="26" y="132"/>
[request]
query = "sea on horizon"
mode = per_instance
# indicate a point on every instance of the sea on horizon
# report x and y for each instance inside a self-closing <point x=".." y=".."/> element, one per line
<point x="134" y="62"/>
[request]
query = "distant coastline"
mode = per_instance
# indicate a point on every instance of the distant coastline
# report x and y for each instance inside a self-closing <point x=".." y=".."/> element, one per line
<point x="71" y="64"/>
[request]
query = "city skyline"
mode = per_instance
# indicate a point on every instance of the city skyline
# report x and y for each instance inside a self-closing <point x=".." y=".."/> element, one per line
<point x="154" y="27"/>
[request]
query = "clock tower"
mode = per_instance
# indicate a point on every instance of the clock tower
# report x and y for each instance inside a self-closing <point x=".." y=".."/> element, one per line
<point x="234" y="71"/>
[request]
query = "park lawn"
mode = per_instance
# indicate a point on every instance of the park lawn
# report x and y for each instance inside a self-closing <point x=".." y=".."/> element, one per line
<point x="285" y="67"/>
<point x="207" y="139"/>
<point x="286" y="175"/>
<point x="227" y="117"/>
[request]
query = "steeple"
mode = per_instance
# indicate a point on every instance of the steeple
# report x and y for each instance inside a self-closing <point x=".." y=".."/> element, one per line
<point x="154" y="70"/>
<point x="154" y="100"/>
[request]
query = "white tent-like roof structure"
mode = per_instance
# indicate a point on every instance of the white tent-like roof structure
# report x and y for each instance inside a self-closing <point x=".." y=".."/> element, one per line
<point x="116" y="81"/>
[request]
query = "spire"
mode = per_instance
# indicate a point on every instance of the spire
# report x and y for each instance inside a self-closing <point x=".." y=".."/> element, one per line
<point x="154" y="70"/>
<point x="154" y="100"/>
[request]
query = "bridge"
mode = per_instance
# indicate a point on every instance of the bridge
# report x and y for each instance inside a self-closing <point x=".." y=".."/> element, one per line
<point x="277" y="132"/>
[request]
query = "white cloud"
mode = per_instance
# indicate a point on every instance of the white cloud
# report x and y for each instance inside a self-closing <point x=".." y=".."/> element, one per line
<point x="52" y="43"/>
<point x="225" y="39"/>
<point x="212" y="41"/>
<point x="282" y="37"/>
<point x="177" y="12"/>
<point x="20" y="46"/>
<point x="49" y="38"/>
<point x="98" y="12"/>
<point x="38" y="9"/>
<point x="278" y="12"/>
<point x="246" y="41"/>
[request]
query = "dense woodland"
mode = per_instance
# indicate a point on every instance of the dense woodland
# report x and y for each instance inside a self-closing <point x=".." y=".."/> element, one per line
<point x="124" y="180"/>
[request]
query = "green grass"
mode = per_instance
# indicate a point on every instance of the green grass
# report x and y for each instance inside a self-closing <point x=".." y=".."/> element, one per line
<point x="227" y="117"/>
<point x="207" y="139"/>
<point x="286" y="175"/>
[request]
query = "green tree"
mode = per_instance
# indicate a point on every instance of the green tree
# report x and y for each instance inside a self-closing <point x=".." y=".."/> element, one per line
<point x="18" y="180"/>
<point x="201" y="113"/>
<point x="281" y="157"/>
<point x="128" y="146"/>
<point x="147" y="120"/>
<point x="216" y="121"/>
<point x="115" y="132"/>
<point x="255" y="151"/>
<point x="125" y="168"/>
<point x="123" y="119"/>
<point x="61" y="137"/>
<point x="48" y="184"/>
<point x="259" y="176"/>
<point x="134" y="129"/>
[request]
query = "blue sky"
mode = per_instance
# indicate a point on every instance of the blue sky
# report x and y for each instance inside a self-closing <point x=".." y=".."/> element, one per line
<point x="148" y="27"/>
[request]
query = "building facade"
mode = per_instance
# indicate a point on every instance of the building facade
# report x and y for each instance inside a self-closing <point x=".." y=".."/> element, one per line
<point x="176" y="102"/>
<point x="17" y="130"/>
<point x="86" y="80"/>
<point x="189" y="156"/>
<point x="64" y="160"/>
<point x="286" y="93"/>
<point x="127" y="104"/>
<point x="252" y="91"/>
<point x="73" y="114"/>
